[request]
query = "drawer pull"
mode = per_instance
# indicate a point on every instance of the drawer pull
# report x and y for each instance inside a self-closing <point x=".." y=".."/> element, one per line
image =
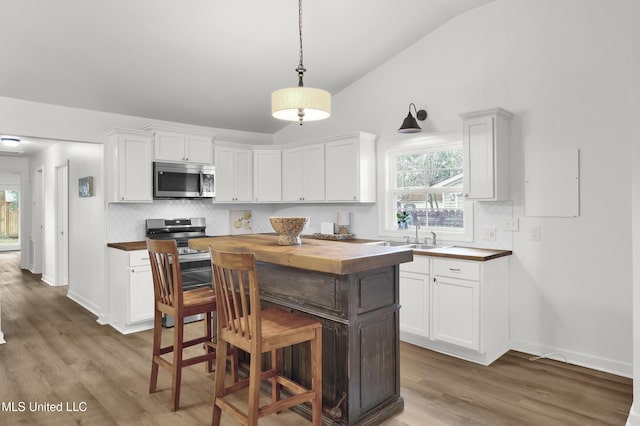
<point x="454" y="269"/>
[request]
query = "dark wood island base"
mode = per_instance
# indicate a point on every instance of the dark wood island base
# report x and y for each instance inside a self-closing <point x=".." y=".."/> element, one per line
<point x="356" y="299"/>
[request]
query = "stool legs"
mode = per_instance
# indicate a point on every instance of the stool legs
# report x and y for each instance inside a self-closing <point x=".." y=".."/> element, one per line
<point x="316" y="378"/>
<point x="157" y="336"/>
<point x="218" y="389"/>
<point x="178" y="338"/>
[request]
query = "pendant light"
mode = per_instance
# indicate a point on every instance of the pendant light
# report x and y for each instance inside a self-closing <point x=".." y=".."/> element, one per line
<point x="300" y="103"/>
<point x="410" y="125"/>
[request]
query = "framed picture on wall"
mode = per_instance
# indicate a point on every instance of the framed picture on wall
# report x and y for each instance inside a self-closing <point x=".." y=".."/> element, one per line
<point x="85" y="187"/>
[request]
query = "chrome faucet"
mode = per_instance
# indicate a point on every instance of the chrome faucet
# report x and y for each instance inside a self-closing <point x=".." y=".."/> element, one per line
<point x="417" y="241"/>
<point x="433" y="238"/>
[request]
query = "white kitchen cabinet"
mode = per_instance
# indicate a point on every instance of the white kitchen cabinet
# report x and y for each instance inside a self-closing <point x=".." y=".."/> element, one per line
<point x="415" y="301"/>
<point x="455" y="310"/>
<point x="129" y="161"/>
<point x="303" y="173"/>
<point x="174" y="145"/>
<point x="485" y="138"/>
<point x="234" y="181"/>
<point x="131" y="298"/>
<point x="470" y="308"/>
<point x="350" y="168"/>
<point x="267" y="175"/>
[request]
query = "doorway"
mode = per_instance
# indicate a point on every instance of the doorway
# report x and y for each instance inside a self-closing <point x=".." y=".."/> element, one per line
<point x="10" y="215"/>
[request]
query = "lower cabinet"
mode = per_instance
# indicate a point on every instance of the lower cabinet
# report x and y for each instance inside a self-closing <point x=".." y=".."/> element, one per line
<point x="415" y="301"/>
<point x="458" y="307"/>
<point x="131" y="296"/>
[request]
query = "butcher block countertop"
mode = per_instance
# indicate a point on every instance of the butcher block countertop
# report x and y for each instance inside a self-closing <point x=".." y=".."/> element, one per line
<point x="129" y="246"/>
<point x="465" y="253"/>
<point x="453" y="252"/>
<point x="314" y="255"/>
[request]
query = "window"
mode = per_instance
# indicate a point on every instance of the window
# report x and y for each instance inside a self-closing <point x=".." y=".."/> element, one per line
<point x="424" y="186"/>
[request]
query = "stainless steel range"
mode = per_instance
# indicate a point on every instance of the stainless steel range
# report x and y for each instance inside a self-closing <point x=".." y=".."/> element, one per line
<point x="195" y="266"/>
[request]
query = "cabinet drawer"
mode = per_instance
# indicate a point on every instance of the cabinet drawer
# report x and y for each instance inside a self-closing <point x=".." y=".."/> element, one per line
<point x="457" y="269"/>
<point x="139" y="258"/>
<point x="420" y="265"/>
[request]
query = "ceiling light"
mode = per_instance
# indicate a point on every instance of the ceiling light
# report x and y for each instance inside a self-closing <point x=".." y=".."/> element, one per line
<point x="410" y="125"/>
<point x="300" y="103"/>
<point x="10" y="141"/>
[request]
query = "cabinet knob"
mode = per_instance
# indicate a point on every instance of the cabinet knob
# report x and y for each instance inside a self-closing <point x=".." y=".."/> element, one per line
<point x="466" y="195"/>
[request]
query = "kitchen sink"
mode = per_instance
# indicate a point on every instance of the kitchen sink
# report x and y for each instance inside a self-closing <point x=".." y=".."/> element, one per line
<point x="426" y="246"/>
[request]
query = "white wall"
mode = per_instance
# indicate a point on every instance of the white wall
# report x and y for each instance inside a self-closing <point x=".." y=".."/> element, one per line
<point x="86" y="220"/>
<point x="563" y="68"/>
<point x="25" y="118"/>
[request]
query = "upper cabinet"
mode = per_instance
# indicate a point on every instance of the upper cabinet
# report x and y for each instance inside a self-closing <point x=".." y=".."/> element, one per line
<point x="267" y="175"/>
<point x="350" y="168"/>
<point x="486" y="154"/>
<point x="129" y="161"/>
<point x="183" y="147"/>
<point x="234" y="182"/>
<point x="303" y="172"/>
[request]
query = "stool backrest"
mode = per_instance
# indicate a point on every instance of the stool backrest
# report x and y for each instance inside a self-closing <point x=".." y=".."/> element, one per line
<point x="237" y="295"/>
<point x="165" y="268"/>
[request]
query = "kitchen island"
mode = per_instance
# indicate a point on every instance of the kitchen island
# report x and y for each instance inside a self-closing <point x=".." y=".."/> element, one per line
<point x="352" y="289"/>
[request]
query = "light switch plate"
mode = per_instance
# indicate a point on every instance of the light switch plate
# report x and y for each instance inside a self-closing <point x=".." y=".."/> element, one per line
<point x="489" y="234"/>
<point x="511" y="224"/>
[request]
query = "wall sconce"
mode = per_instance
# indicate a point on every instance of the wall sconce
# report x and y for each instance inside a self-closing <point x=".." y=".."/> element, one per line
<point x="410" y="125"/>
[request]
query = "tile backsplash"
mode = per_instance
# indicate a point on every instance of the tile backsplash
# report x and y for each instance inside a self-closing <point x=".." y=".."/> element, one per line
<point x="126" y="221"/>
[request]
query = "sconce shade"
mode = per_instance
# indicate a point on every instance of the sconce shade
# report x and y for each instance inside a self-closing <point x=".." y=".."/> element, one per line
<point x="410" y="124"/>
<point x="315" y="103"/>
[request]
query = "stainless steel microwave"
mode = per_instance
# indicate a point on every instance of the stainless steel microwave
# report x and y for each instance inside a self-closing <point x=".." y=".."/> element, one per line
<point x="178" y="180"/>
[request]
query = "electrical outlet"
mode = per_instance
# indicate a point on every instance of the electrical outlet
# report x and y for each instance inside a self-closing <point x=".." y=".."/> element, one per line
<point x="511" y="224"/>
<point x="534" y="233"/>
<point x="489" y="234"/>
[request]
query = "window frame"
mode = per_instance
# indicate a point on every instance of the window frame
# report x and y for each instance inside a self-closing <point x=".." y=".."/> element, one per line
<point x="387" y="208"/>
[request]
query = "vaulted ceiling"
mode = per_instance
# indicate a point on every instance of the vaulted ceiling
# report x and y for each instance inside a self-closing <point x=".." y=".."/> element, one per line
<point x="206" y="62"/>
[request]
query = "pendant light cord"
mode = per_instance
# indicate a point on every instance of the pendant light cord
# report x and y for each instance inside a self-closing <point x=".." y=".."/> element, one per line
<point x="301" y="69"/>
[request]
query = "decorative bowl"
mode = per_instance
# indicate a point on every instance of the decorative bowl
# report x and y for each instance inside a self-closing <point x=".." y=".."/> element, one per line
<point x="289" y="229"/>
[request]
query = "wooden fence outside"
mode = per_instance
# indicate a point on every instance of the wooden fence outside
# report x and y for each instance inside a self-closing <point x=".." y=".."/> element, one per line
<point x="8" y="220"/>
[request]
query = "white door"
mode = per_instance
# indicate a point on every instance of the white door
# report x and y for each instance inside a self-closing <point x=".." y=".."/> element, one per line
<point x="10" y="211"/>
<point x="62" y="225"/>
<point x="35" y="239"/>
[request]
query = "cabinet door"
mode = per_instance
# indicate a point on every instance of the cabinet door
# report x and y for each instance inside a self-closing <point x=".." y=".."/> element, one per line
<point x="292" y="174"/>
<point x="141" y="298"/>
<point x="342" y="172"/>
<point x="456" y="311"/>
<point x="414" y="303"/>
<point x="134" y="168"/>
<point x="267" y="175"/>
<point x="198" y="149"/>
<point x="224" y="173"/>
<point x="243" y="181"/>
<point x="479" y="158"/>
<point x="169" y="146"/>
<point x="313" y="168"/>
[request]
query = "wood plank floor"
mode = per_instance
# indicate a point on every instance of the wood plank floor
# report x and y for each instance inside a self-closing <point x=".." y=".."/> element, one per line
<point x="57" y="353"/>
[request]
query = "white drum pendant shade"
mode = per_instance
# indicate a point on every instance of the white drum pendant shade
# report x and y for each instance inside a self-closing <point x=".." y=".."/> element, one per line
<point x="315" y="103"/>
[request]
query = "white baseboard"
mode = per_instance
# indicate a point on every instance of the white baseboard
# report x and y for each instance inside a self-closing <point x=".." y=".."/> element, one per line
<point x="597" y="363"/>
<point x="84" y="302"/>
<point x="48" y="280"/>
<point x="634" y="416"/>
<point x="2" y="338"/>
